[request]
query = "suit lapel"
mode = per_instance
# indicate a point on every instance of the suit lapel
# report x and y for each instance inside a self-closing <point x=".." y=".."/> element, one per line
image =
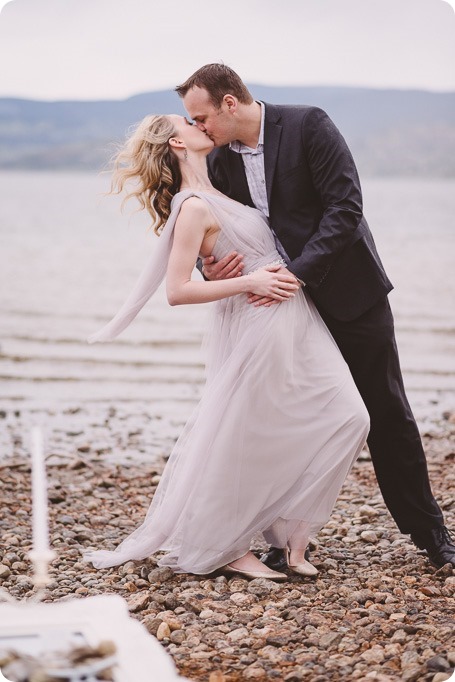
<point x="272" y="136"/>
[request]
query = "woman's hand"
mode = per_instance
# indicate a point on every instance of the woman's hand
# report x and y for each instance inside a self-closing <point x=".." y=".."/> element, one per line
<point x="273" y="281"/>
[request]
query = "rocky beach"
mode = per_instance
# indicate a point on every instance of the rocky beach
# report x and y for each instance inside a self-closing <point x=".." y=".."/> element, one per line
<point x="377" y="610"/>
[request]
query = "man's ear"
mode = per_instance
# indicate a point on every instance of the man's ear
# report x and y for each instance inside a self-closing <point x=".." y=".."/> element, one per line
<point x="231" y="102"/>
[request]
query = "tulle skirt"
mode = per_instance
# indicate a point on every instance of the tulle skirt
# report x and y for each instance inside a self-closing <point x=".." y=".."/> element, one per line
<point x="268" y="448"/>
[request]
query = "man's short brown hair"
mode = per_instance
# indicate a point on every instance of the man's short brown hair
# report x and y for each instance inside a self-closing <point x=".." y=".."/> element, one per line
<point x="219" y="80"/>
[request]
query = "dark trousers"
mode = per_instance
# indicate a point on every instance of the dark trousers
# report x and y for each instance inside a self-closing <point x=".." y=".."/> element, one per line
<point x="369" y="347"/>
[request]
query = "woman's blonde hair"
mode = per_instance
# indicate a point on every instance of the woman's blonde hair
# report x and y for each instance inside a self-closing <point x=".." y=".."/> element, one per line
<point x="147" y="158"/>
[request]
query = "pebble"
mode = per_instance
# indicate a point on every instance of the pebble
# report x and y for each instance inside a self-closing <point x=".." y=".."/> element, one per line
<point x="237" y="635"/>
<point x="367" y="510"/>
<point x="373" y="655"/>
<point x="369" y="536"/>
<point x="4" y="572"/>
<point x="254" y="672"/>
<point x="240" y="599"/>
<point x="160" y="575"/>
<point x="138" y="602"/>
<point x="163" y="631"/>
<point x="438" y="663"/>
<point x="399" y="636"/>
<point x="177" y="636"/>
<point x="262" y="587"/>
<point x="330" y="639"/>
<point x="377" y="610"/>
<point x="152" y="624"/>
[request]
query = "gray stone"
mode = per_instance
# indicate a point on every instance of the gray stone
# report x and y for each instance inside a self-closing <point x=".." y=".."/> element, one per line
<point x="160" y="575"/>
<point x="178" y="636"/>
<point x="237" y="635"/>
<point x="152" y="624"/>
<point x="330" y="639"/>
<point x="261" y="587"/>
<point x="369" y="536"/>
<point x="437" y="663"/>
<point x="138" y="602"/>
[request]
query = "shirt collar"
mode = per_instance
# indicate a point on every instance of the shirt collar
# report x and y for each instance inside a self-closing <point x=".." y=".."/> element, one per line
<point x="240" y="148"/>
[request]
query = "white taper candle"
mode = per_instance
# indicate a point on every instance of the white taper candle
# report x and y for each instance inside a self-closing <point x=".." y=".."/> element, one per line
<point x="39" y="495"/>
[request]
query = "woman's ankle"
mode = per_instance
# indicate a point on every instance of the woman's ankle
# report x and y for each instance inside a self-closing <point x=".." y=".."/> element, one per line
<point x="247" y="561"/>
<point x="296" y="556"/>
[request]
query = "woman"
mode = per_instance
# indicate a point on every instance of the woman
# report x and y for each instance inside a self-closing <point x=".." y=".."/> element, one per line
<point x="277" y="430"/>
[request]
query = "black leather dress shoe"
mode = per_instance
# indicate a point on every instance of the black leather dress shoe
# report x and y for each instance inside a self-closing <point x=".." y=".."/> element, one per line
<point x="438" y="544"/>
<point x="276" y="560"/>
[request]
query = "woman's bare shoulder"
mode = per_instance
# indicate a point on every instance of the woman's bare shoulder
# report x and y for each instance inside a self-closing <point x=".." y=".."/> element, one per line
<point x="194" y="208"/>
<point x="194" y="204"/>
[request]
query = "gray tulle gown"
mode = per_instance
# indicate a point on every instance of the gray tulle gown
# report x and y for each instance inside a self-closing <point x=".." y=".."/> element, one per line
<point x="277" y="429"/>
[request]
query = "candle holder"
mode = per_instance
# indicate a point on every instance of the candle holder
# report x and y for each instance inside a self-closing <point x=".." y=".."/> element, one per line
<point x="41" y="561"/>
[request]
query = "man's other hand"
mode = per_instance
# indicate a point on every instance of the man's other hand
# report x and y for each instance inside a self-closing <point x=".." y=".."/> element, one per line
<point x="226" y="268"/>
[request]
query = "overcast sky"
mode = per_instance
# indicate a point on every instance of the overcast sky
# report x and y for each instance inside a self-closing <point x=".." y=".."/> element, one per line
<point x="102" y="49"/>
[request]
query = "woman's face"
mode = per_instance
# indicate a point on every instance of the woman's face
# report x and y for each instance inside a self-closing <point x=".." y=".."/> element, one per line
<point x="195" y="140"/>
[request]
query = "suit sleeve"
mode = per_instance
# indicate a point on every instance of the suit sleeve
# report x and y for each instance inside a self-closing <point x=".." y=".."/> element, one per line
<point x="336" y="181"/>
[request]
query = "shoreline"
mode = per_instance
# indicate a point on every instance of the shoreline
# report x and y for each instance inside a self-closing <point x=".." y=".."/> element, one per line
<point x="128" y="431"/>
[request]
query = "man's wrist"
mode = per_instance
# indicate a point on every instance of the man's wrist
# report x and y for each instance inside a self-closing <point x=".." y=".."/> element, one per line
<point x="299" y="279"/>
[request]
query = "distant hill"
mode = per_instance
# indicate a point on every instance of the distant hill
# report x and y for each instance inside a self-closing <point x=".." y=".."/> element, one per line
<point x="390" y="132"/>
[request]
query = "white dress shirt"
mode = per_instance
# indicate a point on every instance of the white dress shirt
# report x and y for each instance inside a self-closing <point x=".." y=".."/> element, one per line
<point x="253" y="161"/>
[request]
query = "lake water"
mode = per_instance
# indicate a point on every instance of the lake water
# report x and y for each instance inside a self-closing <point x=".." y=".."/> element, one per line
<point x="69" y="257"/>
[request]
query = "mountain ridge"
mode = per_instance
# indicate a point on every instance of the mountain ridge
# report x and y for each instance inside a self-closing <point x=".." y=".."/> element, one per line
<point x="390" y="132"/>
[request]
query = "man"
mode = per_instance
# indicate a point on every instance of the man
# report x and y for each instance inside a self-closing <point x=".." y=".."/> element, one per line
<point x="292" y="163"/>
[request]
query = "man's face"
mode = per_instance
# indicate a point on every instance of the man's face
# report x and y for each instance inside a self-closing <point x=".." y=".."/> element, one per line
<point x="218" y="124"/>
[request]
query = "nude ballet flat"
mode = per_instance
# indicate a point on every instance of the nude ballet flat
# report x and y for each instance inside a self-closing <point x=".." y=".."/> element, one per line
<point x="269" y="575"/>
<point x="304" y="568"/>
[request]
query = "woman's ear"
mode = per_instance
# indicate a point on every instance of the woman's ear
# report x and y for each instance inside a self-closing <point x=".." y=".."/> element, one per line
<point x="175" y="142"/>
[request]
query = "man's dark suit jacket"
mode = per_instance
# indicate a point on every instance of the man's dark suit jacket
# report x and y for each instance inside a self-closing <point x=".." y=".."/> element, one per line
<point x="315" y="206"/>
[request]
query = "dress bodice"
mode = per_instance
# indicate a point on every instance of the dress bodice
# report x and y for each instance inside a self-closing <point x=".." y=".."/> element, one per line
<point x="242" y="229"/>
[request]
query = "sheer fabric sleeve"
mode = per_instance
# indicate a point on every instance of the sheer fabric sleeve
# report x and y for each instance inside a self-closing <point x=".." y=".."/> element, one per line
<point x="148" y="281"/>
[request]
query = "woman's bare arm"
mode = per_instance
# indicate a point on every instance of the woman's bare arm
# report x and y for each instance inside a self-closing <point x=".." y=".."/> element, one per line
<point x="191" y="227"/>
